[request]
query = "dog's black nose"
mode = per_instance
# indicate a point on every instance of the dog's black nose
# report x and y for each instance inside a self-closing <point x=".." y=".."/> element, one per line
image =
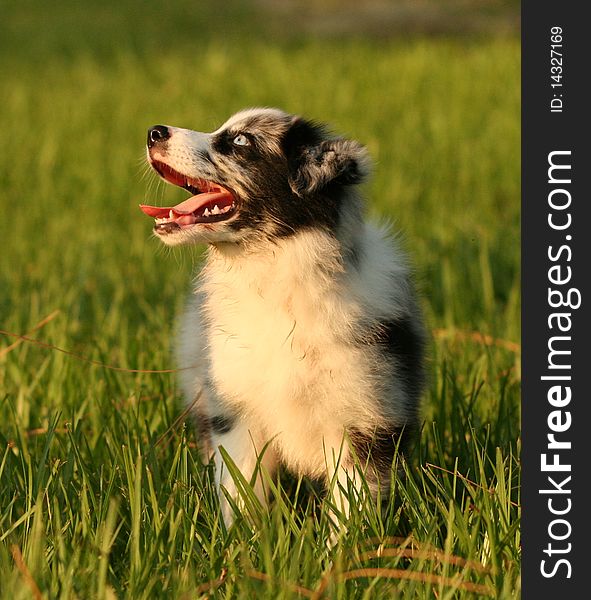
<point x="158" y="133"/>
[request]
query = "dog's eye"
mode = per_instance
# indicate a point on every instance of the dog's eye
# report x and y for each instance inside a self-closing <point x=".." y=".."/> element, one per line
<point x="241" y="140"/>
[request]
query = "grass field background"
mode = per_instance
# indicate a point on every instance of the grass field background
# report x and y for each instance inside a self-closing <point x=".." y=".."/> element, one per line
<point x="101" y="491"/>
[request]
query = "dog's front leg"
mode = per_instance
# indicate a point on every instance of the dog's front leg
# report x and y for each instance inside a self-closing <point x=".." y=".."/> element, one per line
<point x="348" y="483"/>
<point x="245" y="447"/>
<point x="343" y="486"/>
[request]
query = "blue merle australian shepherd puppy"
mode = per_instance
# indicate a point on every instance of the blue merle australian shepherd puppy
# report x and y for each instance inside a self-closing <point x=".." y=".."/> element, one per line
<point x="303" y="335"/>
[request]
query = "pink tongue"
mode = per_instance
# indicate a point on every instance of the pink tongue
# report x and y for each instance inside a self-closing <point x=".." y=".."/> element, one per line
<point x="190" y="205"/>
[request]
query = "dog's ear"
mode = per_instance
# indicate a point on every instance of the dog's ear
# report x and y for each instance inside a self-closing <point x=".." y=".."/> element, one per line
<point x="316" y="161"/>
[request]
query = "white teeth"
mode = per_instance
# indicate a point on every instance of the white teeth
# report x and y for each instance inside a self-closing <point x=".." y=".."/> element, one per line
<point x="215" y="210"/>
<point x="206" y="212"/>
<point x="171" y="215"/>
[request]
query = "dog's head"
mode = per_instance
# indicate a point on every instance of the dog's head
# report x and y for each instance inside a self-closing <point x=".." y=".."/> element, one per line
<point x="263" y="173"/>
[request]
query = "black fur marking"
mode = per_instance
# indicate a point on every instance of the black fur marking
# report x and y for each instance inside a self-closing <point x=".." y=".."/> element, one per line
<point x="222" y="143"/>
<point x="404" y="340"/>
<point x="222" y="423"/>
<point x="377" y="448"/>
<point x="202" y="424"/>
<point x="300" y="135"/>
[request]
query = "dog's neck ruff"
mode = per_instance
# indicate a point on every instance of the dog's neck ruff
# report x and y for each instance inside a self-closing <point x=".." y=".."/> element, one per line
<point x="296" y="257"/>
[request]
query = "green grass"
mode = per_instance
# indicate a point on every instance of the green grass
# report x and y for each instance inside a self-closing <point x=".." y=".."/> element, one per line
<point x="95" y="500"/>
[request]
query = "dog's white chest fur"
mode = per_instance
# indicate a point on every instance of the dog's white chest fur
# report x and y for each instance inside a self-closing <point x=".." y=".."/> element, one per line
<point x="274" y="336"/>
<point x="278" y="348"/>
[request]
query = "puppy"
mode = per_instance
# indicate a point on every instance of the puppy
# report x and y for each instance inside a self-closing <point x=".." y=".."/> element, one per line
<point x="303" y="336"/>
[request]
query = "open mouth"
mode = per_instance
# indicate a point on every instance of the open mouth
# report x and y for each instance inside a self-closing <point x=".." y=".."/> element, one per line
<point x="210" y="202"/>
